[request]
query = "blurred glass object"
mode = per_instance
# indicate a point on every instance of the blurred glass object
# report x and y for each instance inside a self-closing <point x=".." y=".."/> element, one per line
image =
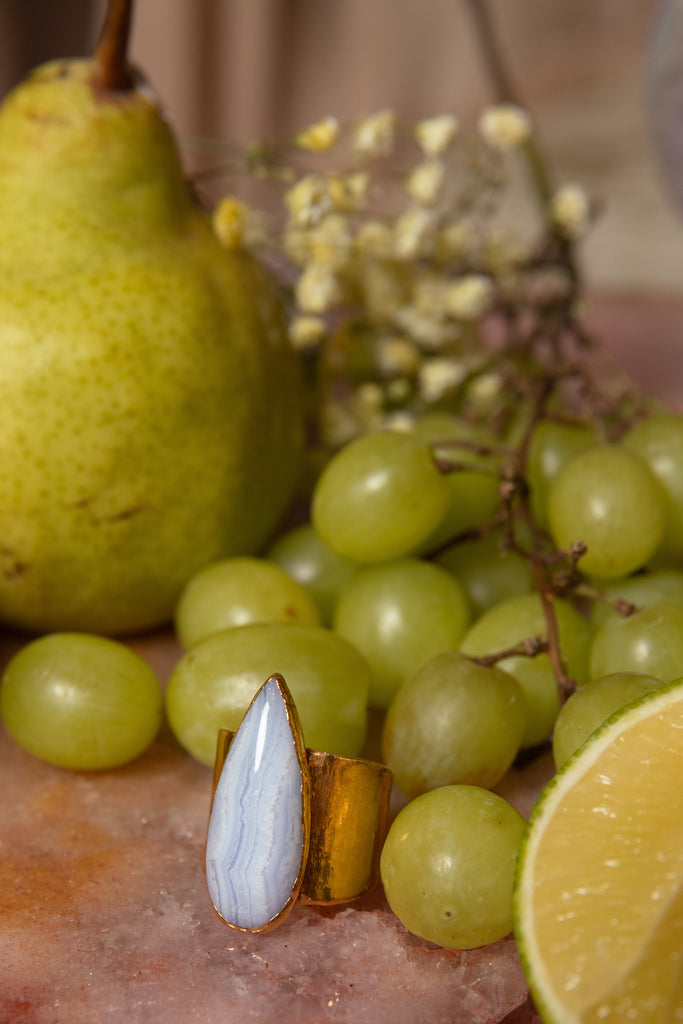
<point x="665" y="93"/>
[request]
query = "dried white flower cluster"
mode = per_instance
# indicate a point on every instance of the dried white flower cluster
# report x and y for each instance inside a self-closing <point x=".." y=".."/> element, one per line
<point x="397" y="268"/>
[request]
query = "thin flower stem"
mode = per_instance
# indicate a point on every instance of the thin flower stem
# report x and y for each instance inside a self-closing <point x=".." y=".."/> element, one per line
<point x="504" y="92"/>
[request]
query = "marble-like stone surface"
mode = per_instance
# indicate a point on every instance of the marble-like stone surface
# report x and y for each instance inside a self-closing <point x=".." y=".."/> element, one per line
<point x="255" y="841"/>
<point x="105" y="917"/>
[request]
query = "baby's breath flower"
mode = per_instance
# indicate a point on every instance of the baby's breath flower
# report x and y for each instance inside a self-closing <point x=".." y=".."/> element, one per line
<point x="503" y="250"/>
<point x="396" y="356"/>
<point x="375" y="239"/>
<point x="398" y="390"/>
<point x="505" y="127"/>
<point x="486" y="387"/>
<point x="331" y="241"/>
<point x="319" y="137"/>
<point x="305" y="332"/>
<point x="439" y="375"/>
<point x="456" y="240"/>
<point x="318" y="289"/>
<point x="308" y="201"/>
<point x="374" y="135"/>
<point x="369" y="398"/>
<point x="470" y="297"/>
<point x="400" y="420"/>
<point x="338" y="425"/>
<point x="570" y="210"/>
<point x="230" y="222"/>
<point x="429" y="332"/>
<point x="435" y="134"/>
<point x="425" y="182"/>
<point x="383" y="286"/>
<point x="296" y="243"/>
<point x="429" y="293"/>
<point x="415" y="233"/>
<point x="349" y="191"/>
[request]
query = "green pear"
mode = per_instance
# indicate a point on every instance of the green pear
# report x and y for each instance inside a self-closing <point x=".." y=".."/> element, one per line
<point x="149" y="414"/>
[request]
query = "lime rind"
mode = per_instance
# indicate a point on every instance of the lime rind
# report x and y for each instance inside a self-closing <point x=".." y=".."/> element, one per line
<point x="579" y="763"/>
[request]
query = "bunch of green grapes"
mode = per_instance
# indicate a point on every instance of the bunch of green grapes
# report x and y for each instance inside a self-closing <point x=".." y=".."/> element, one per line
<point x="477" y="619"/>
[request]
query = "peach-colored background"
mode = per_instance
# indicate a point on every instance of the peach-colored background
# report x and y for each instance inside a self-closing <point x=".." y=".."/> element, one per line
<point x="236" y="70"/>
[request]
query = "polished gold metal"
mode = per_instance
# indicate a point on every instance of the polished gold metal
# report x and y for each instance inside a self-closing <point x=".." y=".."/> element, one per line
<point x="349" y="821"/>
<point x="349" y="817"/>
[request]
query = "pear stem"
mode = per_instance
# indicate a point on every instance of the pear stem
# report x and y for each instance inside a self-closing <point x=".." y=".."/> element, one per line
<point x="111" y="53"/>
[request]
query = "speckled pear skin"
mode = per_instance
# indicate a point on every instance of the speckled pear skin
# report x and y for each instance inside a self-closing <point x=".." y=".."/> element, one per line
<point x="149" y="399"/>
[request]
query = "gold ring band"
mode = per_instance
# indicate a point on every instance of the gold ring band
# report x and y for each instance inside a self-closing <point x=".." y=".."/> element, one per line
<point x="274" y="803"/>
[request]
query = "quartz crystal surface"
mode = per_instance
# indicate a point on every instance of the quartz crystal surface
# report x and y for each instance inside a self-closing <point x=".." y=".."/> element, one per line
<point x="255" y="841"/>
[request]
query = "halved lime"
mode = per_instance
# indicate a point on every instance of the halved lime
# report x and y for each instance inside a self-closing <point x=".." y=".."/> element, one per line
<point x="599" y="891"/>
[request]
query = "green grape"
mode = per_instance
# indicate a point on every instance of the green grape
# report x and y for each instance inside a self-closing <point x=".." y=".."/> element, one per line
<point x="659" y="442"/>
<point x="488" y="574"/>
<point x="591" y="705"/>
<point x="448" y="866"/>
<point x="380" y="497"/>
<point x="649" y="641"/>
<point x="552" y="445"/>
<point x="213" y="684"/>
<point x="398" y="615"/>
<point x="309" y="561"/>
<point x="608" y="498"/>
<point x="453" y="721"/>
<point x="81" y="701"/>
<point x="237" y="591"/>
<point x="473" y="491"/>
<point x="517" y="619"/>
<point x="643" y="590"/>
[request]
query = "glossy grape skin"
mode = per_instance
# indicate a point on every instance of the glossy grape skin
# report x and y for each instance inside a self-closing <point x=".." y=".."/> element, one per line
<point x="517" y="619"/>
<point x="487" y="574"/>
<point x="649" y="641"/>
<point x="453" y="721"/>
<point x="473" y="491"/>
<point x="658" y="440"/>
<point x="379" y="498"/>
<point x="591" y="705"/>
<point x="448" y="866"/>
<point x="398" y="615"/>
<point x="552" y="445"/>
<point x="608" y="498"/>
<point x="314" y="565"/>
<point x="213" y="684"/>
<point x="81" y="701"/>
<point x="642" y="590"/>
<point x="237" y="591"/>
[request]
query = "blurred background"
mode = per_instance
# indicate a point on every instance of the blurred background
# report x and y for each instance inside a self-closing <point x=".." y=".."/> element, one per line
<point x="240" y="70"/>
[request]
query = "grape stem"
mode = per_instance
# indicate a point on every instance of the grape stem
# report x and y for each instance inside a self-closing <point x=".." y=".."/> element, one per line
<point x="618" y="604"/>
<point x="474" y="533"/>
<point x="527" y="648"/>
<point x="519" y="493"/>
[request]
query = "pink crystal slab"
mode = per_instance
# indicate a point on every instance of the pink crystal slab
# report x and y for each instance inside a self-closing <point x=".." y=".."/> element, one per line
<point x="105" y="915"/>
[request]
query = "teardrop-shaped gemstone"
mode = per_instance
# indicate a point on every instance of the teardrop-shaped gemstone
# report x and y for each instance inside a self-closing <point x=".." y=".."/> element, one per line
<point x="257" y="839"/>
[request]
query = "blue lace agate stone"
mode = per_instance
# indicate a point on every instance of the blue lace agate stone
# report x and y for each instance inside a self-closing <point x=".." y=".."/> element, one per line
<point x="255" y="841"/>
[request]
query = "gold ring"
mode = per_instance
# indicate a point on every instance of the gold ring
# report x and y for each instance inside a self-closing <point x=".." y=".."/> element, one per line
<point x="288" y="823"/>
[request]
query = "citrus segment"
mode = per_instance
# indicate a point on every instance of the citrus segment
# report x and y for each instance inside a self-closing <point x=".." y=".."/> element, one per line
<point x="599" y="892"/>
